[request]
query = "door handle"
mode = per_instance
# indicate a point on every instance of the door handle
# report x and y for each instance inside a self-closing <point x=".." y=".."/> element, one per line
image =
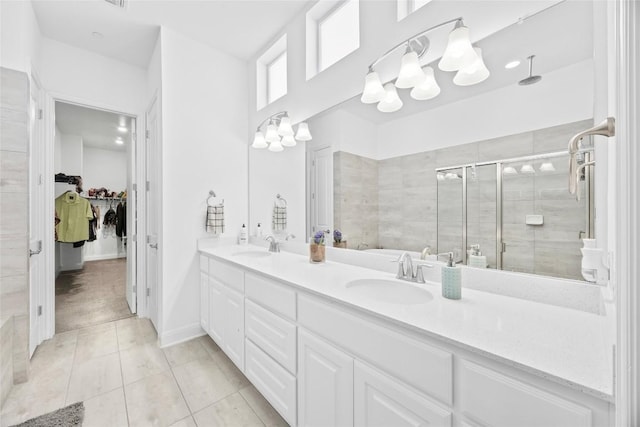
<point x="153" y="245"/>
<point x="37" y="251"/>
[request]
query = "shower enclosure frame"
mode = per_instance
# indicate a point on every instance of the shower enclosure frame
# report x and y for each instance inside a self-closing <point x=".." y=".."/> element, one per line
<point x="500" y="245"/>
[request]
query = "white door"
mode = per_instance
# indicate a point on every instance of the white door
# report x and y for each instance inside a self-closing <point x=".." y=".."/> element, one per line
<point x="325" y="384"/>
<point x="132" y="203"/>
<point x="36" y="226"/>
<point x="152" y="212"/>
<point x="382" y="401"/>
<point x="321" y="186"/>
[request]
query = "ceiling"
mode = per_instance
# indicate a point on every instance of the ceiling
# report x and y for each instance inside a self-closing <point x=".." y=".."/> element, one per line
<point x="545" y="35"/>
<point x="98" y="128"/>
<point x="238" y="27"/>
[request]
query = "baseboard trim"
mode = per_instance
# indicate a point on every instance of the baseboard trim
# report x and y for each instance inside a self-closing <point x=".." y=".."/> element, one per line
<point x="179" y="335"/>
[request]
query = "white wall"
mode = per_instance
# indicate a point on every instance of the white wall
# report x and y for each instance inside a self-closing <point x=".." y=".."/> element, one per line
<point x="104" y="168"/>
<point x="204" y="147"/>
<point x="71" y="154"/>
<point x="563" y="96"/>
<point x="20" y="36"/>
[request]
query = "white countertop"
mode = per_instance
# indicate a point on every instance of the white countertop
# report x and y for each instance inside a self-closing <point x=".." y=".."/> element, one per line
<point x="565" y="345"/>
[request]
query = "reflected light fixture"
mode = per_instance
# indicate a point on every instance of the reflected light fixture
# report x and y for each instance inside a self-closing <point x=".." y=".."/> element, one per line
<point x="119" y="141"/>
<point x="459" y="55"/>
<point x="509" y="170"/>
<point x="512" y="64"/>
<point x="279" y="133"/>
<point x="527" y="169"/>
<point x="122" y="129"/>
<point x="547" y="167"/>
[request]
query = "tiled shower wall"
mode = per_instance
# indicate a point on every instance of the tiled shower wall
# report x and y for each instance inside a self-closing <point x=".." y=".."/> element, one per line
<point x="14" y="194"/>
<point x="407" y="196"/>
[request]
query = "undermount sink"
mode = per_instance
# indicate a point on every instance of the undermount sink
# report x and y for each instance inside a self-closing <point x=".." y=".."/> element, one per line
<point x="391" y="291"/>
<point x="253" y="254"/>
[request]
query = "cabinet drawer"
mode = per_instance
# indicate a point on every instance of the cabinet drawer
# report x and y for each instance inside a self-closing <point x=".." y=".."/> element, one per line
<point x="228" y="275"/>
<point x="272" y="295"/>
<point x="494" y="399"/>
<point x="425" y="367"/>
<point x="381" y="401"/>
<point x="276" y="384"/>
<point x="274" y="335"/>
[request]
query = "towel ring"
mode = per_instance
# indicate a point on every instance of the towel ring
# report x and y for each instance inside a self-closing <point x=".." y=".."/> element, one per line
<point x="279" y="198"/>
<point x="211" y="199"/>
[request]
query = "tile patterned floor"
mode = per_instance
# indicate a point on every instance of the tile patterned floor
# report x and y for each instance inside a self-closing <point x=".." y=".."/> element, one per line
<point x="125" y="379"/>
<point x="93" y="295"/>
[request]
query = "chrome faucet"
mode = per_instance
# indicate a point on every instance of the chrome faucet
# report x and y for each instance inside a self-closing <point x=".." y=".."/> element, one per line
<point x="406" y="271"/>
<point x="274" y="245"/>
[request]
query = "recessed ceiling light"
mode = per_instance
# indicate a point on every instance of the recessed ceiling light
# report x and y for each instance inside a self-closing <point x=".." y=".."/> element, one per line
<point x="97" y="35"/>
<point x="512" y="64"/>
<point x="122" y="129"/>
<point x="119" y="141"/>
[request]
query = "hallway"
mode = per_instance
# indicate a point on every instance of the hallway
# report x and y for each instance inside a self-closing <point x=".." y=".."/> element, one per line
<point x="124" y="379"/>
<point x="93" y="295"/>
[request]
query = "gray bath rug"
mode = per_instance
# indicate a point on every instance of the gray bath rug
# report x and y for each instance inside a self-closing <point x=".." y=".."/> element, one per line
<point x="69" y="416"/>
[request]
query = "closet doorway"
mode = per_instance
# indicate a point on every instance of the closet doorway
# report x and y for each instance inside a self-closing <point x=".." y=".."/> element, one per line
<point x="93" y="272"/>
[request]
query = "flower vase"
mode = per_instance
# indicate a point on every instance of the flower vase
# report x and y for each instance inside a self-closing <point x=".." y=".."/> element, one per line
<point x="342" y="244"/>
<point x="316" y="252"/>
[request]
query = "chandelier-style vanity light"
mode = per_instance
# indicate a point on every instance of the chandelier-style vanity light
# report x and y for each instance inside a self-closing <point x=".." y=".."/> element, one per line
<point x="279" y="133"/>
<point x="459" y="56"/>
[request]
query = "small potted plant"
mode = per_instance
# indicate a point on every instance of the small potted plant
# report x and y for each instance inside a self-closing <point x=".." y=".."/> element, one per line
<point x="337" y="239"/>
<point x="316" y="248"/>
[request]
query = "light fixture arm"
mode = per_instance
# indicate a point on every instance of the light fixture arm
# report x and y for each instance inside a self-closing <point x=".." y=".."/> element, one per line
<point x="408" y="41"/>
<point x="276" y="116"/>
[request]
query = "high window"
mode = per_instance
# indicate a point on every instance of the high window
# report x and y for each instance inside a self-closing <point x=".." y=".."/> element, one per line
<point x="407" y="7"/>
<point x="271" y="73"/>
<point x="333" y="32"/>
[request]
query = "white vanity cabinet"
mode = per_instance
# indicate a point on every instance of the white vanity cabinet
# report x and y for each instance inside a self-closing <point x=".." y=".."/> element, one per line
<point x="320" y="362"/>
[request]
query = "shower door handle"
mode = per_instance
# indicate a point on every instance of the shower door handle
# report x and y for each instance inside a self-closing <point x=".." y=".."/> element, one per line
<point x="504" y="247"/>
<point x="153" y="245"/>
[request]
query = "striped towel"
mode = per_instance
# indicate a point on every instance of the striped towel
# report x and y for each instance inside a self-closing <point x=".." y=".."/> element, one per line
<point x="215" y="219"/>
<point x="279" y="218"/>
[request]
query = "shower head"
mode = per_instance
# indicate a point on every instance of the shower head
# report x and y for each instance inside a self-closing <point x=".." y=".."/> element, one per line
<point x="531" y="79"/>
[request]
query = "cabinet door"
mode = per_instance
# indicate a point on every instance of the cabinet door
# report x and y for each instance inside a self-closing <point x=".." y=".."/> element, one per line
<point x="217" y="302"/>
<point x="204" y="301"/>
<point x="234" y="327"/>
<point x="380" y="400"/>
<point x="325" y="383"/>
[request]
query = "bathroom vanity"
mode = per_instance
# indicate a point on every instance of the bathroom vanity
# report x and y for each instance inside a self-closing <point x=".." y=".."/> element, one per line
<point x="336" y="344"/>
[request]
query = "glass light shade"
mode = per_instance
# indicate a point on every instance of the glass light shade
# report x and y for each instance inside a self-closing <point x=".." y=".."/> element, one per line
<point x="288" y="141"/>
<point x="428" y="88"/>
<point x="303" y="133"/>
<point x="473" y="74"/>
<point x="527" y="169"/>
<point x="285" y="128"/>
<point x="276" y="146"/>
<point x="259" y="141"/>
<point x="272" y="134"/>
<point x="373" y="90"/>
<point x="440" y="176"/>
<point x="459" y="52"/>
<point x="391" y="101"/>
<point x="410" y="73"/>
<point x="509" y="170"/>
<point x="547" y="167"/>
<point x="119" y="141"/>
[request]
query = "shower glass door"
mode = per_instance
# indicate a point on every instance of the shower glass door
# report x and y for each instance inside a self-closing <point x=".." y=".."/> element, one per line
<point x="451" y="212"/>
<point x="482" y="208"/>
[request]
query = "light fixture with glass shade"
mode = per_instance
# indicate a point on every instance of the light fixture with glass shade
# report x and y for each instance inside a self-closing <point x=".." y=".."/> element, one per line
<point x="279" y="133"/>
<point x="473" y="74"/>
<point x="527" y="169"/>
<point x="391" y="101"/>
<point x="459" y="55"/>
<point x="547" y="167"/>
<point x="428" y="88"/>
<point x="509" y="170"/>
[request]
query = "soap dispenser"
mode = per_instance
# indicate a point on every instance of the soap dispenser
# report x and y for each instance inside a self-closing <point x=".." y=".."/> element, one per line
<point x="243" y="238"/>
<point x="476" y="259"/>
<point x="451" y="279"/>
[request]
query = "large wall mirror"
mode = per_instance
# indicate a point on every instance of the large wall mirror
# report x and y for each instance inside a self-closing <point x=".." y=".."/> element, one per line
<point x="481" y="171"/>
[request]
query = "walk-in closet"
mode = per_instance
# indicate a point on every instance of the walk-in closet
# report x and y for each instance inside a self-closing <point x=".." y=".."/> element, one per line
<point x="91" y="168"/>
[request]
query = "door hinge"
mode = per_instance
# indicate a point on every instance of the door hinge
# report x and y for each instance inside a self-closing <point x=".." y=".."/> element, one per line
<point x="40" y="179"/>
<point x="39" y="310"/>
<point x="146" y="133"/>
<point x="40" y="114"/>
<point x="134" y="187"/>
<point x="148" y="291"/>
<point x="134" y="238"/>
<point x="148" y="185"/>
<point x="313" y="163"/>
<point x="148" y="239"/>
<point x="135" y="289"/>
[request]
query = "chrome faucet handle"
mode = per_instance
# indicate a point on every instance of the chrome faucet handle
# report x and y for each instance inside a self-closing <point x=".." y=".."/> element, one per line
<point x="420" y="273"/>
<point x="274" y="246"/>
<point x="405" y="266"/>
